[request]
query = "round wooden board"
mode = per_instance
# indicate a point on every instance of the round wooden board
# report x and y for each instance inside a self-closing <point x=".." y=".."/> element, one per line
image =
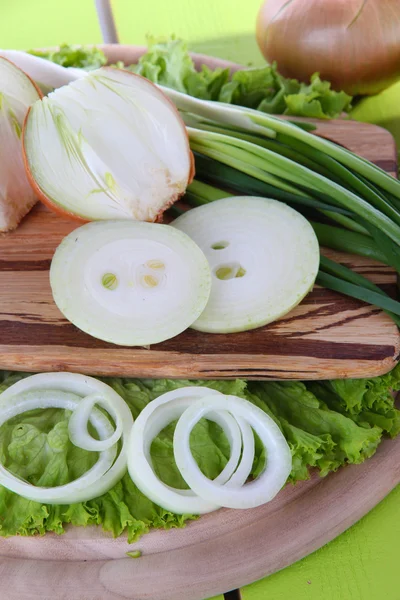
<point x="221" y="551"/>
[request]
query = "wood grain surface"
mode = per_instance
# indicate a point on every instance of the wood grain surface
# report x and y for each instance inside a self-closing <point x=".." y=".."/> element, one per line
<point x="221" y="551"/>
<point x="326" y="336"/>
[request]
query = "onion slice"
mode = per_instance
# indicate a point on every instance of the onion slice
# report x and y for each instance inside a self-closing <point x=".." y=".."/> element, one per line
<point x="68" y="391"/>
<point x="17" y="94"/>
<point x="257" y="492"/>
<point x="109" y="145"/>
<point x="130" y="283"/>
<point x="153" y="419"/>
<point x="264" y="258"/>
<point x="77" y="426"/>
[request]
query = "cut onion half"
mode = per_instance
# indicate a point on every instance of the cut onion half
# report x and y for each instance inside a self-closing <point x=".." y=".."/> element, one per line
<point x="130" y="283"/>
<point x="69" y="391"/>
<point x="110" y="145"/>
<point x="257" y="492"/>
<point x="263" y="255"/>
<point x="154" y="418"/>
<point x="17" y="93"/>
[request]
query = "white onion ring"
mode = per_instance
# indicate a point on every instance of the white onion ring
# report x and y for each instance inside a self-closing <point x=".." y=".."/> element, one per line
<point x="246" y="462"/>
<point x="65" y="390"/>
<point x="157" y="415"/>
<point x="255" y="493"/>
<point x="78" y="422"/>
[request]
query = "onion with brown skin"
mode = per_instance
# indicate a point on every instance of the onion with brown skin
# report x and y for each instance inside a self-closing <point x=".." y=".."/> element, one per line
<point x="354" y="44"/>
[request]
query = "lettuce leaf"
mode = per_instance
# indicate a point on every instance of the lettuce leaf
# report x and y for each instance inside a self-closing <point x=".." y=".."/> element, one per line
<point x="327" y="424"/>
<point x="368" y="401"/>
<point x="341" y="439"/>
<point x="80" y="57"/>
<point x="168" y="63"/>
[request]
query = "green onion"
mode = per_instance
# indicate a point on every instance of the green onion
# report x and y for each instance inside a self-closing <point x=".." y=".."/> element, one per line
<point x="205" y="192"/>
<point x="250" y="152"/>
<point x="347" y="241"/>
<point x="270" y="126"/>
<point x="330" y="269"/>
<point x="230" y="178"/>
<point x="345" y="221"/>
<point x="268" y="166"/>
<point x="339" y="173"/>
<point x="387" y="246"/>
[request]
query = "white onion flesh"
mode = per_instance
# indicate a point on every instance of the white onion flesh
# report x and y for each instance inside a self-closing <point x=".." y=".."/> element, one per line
<point x="17" y="94"/>
<point x="153" y="419"/>
<point x="229" y="489"/>
<point x="108" y="146"/>
<point x="41" y="70"/>
<point x="78" y="423"/>
<point x="257" y="492"/>
<point x="67" y="391"/>
<point x="263" y="255"/>
<point x="130" y="283"/>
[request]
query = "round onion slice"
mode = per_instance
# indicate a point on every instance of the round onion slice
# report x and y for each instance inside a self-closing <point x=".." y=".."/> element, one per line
<point x="77" y="426"/>
<point x="255" y="493"/>
<point x="17" y="93"/>
<point x="130" y="283"/>
<point x="110" y="145"/>
<point x="68" y="390"/>
<point x="264" y="258"/>
<point x="157" y="415"/>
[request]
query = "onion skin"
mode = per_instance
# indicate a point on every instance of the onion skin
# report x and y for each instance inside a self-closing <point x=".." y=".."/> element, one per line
<point x="354" y="44"/>
<point x="65" y="213"/>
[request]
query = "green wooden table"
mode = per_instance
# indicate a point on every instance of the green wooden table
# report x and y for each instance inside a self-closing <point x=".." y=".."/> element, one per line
<point x="362" y="563"/>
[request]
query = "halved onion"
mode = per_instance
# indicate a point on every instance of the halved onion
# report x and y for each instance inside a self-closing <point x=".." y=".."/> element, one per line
<point x="17" y="94"/>
<point x="130" y="283"/>
<point x="110" y="145"/>
<point x="257" y="492"/>
<point x="154" y="418"/>
<point x="264" y="258"/>
<point x="69" y="391"/>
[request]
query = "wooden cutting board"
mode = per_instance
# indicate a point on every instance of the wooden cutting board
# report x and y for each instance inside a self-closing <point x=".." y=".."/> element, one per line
<point x="326" y="336"/>
<point x="221" y="551"/>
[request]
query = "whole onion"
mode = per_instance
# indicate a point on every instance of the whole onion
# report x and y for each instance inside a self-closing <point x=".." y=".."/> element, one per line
<point x="354" y="44"/>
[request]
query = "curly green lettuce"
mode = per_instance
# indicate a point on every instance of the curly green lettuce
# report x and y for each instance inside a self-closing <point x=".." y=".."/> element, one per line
<point x="80" y="57"/>
<point x="326" y="424"/>
<point x="168" y="62"/>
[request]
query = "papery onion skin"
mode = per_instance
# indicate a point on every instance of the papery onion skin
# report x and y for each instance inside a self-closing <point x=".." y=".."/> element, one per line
<point x="59" y="209"/>
<point x="354" y="44"/>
